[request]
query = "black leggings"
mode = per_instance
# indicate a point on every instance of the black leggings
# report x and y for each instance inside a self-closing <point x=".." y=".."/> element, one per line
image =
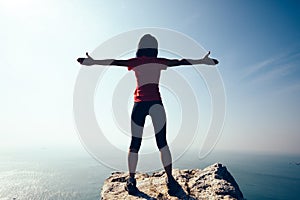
<point x="139" y="112"/>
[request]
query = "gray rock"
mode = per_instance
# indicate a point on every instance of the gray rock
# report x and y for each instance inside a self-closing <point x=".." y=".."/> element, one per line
<point x="213" y="182"/>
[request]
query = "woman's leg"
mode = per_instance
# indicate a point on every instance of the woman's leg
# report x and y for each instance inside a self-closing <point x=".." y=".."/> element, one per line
<point x="138" y="116"/>
<point x="166" y="159"/>
<point x="158" y="115"/>
<point x="132" y="161"/>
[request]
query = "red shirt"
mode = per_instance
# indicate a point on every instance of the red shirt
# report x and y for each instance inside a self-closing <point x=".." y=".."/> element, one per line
<point x="147" y="72"/>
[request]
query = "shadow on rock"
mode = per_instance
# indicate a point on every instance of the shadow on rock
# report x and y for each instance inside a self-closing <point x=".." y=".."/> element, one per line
<point x="143" y="195"/>
<point x="181" y="194"/>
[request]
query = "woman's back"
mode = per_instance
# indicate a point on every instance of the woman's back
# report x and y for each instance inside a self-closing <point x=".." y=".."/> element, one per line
<point x="147" y="72"/>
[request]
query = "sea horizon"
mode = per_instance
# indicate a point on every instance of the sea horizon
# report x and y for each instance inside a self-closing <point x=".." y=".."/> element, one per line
<point x="46" y="173"/>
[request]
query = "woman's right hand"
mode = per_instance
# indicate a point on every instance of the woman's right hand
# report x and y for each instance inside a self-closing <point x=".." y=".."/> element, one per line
<point x="86" y="61"/>
<point x="209" y="61"/>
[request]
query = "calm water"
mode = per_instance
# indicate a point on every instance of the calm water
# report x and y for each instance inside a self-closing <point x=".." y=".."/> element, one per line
<point x="72" y="175"/>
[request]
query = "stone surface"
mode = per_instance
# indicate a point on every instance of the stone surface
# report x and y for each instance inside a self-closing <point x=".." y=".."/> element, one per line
<point x="213" y="182"/>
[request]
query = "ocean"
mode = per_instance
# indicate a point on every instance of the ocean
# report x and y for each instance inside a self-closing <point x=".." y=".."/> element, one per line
<point x="55" y="174"/>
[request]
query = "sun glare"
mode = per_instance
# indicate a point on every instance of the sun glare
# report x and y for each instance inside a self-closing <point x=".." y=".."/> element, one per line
<point x="20" y="8"/>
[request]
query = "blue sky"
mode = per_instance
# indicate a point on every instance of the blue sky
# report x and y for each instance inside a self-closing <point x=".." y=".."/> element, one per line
<point x="257" y="43"/>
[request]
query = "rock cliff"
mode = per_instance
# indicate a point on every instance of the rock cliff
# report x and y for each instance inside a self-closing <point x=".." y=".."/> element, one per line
<point x="213" y="182"/>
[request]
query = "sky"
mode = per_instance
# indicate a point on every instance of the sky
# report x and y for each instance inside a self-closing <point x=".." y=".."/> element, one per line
<point x="257" y="43"/>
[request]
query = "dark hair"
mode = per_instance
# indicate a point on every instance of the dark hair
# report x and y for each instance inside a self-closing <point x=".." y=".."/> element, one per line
<point x="148" y="46"/>
<point x="148" y="52"/>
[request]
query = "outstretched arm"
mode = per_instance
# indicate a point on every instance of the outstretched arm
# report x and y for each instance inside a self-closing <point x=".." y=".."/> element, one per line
<point x="90" y="61"/>
<point x="205" y="60"/>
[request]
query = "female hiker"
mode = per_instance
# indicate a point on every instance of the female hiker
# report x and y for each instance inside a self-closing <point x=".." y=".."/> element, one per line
<point x="147" y="101"/>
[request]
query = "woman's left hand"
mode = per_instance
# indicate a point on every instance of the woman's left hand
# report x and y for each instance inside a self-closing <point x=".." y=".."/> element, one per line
<point x="86" y="61"/>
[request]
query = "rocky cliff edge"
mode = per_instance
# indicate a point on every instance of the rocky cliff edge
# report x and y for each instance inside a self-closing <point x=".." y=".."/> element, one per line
<point x="213" y="182"/>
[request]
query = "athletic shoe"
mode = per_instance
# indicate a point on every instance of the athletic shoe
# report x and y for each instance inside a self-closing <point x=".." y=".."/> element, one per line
<point x="173" y="187"/>
<point x="130" y="186"/>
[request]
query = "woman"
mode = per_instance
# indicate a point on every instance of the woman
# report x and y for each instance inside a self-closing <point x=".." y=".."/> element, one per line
<point x="147" y="101"/>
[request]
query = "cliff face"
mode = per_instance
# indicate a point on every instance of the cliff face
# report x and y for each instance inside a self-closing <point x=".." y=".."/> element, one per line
<point x="213" y="182"/>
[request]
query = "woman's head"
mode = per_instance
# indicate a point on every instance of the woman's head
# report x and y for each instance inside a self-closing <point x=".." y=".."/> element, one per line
<point x="148" y="46"/>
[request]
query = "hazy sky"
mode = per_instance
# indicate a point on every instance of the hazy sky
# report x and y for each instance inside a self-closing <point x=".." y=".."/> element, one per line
<point x="257" y="43"/>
